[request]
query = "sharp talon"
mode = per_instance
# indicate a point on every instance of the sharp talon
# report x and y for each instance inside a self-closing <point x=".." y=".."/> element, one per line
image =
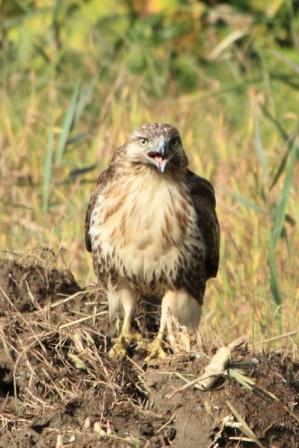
<point x="142" y="344"/>
<point x="156" y="351"/>
<point x="119" y="349"/>
<point x="123" y="342"/>
<point x="135" y="337"/>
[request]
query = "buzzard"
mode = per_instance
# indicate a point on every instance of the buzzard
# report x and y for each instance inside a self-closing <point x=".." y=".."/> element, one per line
<point x="152" y="228"/>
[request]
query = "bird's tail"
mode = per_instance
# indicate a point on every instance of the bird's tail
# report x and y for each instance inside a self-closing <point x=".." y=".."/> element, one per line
<point x="181" y="312"/>
<point x="184" y="308"/>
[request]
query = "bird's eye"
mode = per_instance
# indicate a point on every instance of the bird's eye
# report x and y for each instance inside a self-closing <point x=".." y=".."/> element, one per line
<point x="143" y="141"/>
<point x="174" y="142"/>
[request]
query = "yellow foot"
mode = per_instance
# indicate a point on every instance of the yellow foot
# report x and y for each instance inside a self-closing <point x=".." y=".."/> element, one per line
<point x="122" y="343"/>
<point x="155" y="350"/>
<point x="119" y="348"/>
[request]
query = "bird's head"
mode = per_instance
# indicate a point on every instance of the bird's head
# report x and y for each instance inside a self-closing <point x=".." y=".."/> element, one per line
<point x="157" y="145"/>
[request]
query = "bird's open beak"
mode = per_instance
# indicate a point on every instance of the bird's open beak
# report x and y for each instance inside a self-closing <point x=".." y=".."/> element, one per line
<point x="158" y="155"/>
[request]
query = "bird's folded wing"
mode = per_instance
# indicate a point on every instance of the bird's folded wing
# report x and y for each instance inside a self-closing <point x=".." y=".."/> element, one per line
<point x="102" y="181"/>
<point x="204" y="201"/>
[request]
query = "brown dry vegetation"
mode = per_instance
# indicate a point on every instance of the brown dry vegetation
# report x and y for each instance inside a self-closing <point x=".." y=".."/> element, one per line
<point x="59" y="388"/>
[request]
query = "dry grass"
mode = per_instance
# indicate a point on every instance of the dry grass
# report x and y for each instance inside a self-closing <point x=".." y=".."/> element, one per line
<point x="55" y="374"/>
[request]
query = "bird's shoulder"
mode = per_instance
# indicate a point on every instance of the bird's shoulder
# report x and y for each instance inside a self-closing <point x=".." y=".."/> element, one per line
<point x="204" y="202"/>
<point x="104" y="178"/>
<point x="200" y="187"/>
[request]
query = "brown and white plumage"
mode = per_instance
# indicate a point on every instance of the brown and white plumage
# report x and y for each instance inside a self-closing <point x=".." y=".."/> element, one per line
<point x="152" y="228"/>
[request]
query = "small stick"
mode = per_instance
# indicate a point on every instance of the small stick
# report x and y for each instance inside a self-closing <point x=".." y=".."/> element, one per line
<point x="243" y="425"/>
<point x="166" y="424"/>
<point x="276" y="338"/>
<point x="214" y="369"/>
<point x="243" y="439"/>
<point x="187" y="383"/>
<point x="274" y="397"/>
<point x="74" y="322"/>
<point x="67" y="299"/>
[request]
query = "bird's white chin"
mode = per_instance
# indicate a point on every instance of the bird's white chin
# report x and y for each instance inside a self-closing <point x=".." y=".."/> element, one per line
<point x="160" y="164"/>
<point x="158" y="161"/>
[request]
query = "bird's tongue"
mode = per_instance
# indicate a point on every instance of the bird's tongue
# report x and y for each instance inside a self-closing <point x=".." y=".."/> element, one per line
<point x="160" y="163"/>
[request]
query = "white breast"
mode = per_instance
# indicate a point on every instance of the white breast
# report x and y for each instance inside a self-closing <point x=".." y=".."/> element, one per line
<point x="138" y="227"/>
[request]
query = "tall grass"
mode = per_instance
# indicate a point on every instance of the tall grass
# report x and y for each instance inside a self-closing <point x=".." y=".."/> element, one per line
<point x="279" y="223"/>
<point x="48" y="171"/>
<point x="68" y="123"/>
<point x="234" y="100"/>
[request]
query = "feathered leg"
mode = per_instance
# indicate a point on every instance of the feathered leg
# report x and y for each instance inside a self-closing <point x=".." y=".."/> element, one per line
<point x="126" y="299"/>
<point x="181" y="305"/>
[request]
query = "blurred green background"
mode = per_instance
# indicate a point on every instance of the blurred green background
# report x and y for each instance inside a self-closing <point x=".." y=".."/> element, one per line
<point x="77" y="76"/>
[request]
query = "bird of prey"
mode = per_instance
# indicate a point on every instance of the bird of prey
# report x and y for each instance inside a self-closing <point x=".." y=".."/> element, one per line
<point x="152" y="228"/>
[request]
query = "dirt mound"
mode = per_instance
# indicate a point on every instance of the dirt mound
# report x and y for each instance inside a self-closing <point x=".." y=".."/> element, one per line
<point x="26" y="286"/>
<point x="58" y="387"/>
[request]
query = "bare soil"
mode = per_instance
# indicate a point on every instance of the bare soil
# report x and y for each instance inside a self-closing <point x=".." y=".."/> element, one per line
<point x="58" y="387"/>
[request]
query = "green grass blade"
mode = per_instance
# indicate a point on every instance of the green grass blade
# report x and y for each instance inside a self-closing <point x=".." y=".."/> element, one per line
<point x="85" y="97"/>
<point x="284" y="135"/>
<point x="241" y="378"/>
<point x="289" y="80"/>
<point x="77" y="172"/>
<point x="283" y="58"/>
<point x="48" y="171"/>
<point x="68" y="124"/>
<point x="279" y="214"/>
<point x="284" y="160"/>
<point x="275" y="291"/>
<point x="260" y="151"/>
<point x="278" y="222"/>
<point x="289" y="140"/>
<point x="281" y="168"/>
<point x="248" y="203"/>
